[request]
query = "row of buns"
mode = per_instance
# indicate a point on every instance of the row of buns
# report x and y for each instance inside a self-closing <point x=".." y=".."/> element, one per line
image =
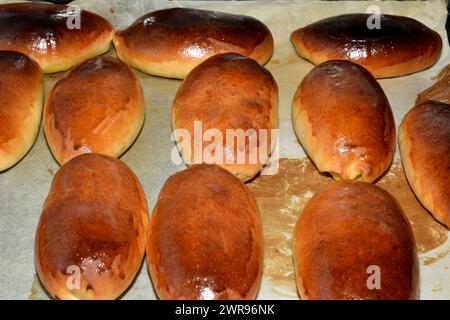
<point x="204" y="240"/>
<point x="171" y="42"/>
<point x="205" y="237"/>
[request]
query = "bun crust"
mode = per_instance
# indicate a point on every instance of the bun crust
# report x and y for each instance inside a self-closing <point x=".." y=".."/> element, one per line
<point x="42" y="31"/>
<point x="171" y="42"/>
<point x="344" y="121"/>
<point x="21" y="96"/>
<point x="228" y="91"/>
<point x="205" y="237"/>
<point x="342" y="232"/>
<point x="440" y="91"/>
<point x="400" y="46"/>
<point x="95" y="219"/>
<point x="424" y="140"/>
<point x="98" y="107"/>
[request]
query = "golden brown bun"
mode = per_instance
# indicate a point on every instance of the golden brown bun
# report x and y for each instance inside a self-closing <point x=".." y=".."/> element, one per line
<point x="344" y="121"/>
<point x="342" y="231"/>
<point x="440" y="91"/>
<point x="171" y="42"/>
<point x="228" y="91"/>
<point x="21" y="96"/>
<point x="205" y="237"/>
<point x="424" y="141"/>
<point x="95" y="219"/>
<point x="401" y="46"/>
<point x="41" y="31"/>
<point x="98" y="107"/>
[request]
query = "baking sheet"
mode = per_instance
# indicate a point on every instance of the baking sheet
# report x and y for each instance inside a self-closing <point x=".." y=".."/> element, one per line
<point x="281" y="198"/>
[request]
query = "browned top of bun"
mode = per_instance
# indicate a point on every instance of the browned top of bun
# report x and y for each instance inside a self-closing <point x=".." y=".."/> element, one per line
<point x="226" y="91"/>
<point x="95" y="108"/>
<point x="342" y="231"/>
<point x="428" y="128"/>
<point x="205" y="239"/>
<point x="192" y="33"/>
<point x="94" y="217"/>
<point x="26" y="25"/>
<point x="349" y="117"/>
<point x="351" y="93"/>
<point x="20" y="76"/>
<point x="395" y="31"/>
<point x="246" y="92"/>
<point x="398" y="40"/>
<point x="41" y="29"/>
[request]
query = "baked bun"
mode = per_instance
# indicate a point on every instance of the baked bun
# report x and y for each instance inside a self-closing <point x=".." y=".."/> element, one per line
<point x="56" y="36"/>
<point x="171" y="42"/>
<point x="424" y="141"/>
<point x="440" y="91"/>
<point x="92" y="232"/>
<point x="400" y="46"/>
<point x="98" y="107"/>
<point x="352" y="241"/>
<point x="205" y="237"/>
<point x="21" y="96"/>
<point x="344" y="121"/>
<point x="228" y="95"/>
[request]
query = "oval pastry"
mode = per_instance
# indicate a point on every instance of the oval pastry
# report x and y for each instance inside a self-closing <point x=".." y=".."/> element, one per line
<point x="424" y="141"/>
<point x="98" y="107"/>
<point x="344" y="121"/>
<point x="171" y="42"/>
<point x="205" y="237"/>
<point x="352" y="241"/>
<point x="396" y="46"/>
<point x="92" y="232"/>
<point x="58" y="37"/>
<point x="21" y="96"/>
<point x="225" y="112"/>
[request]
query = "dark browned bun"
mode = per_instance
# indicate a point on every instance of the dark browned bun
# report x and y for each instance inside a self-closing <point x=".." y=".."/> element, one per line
<point x="352" y="241"/>
<point x="424" y="140"/>
<point x="52" y="35"/>
<point x="205" y="237"/>
<point x="92" y="230"/>
<point x="226" y="93"/>
<point x="98" y="107"/>
<point x="344" y="121"/>
<point x="400" y="46"/>
<point x="171" y="42"/>
<point x="21" y="96"/>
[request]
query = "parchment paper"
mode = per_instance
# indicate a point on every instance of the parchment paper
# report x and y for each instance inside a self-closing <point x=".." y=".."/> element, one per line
<point x="24" y="187"/>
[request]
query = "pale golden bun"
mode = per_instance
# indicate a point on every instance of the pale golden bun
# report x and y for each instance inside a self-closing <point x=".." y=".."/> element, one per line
<point x="400" y="46"/>
<point x="171" y="42"/>
<point x="49" y="34"/>
<point x="21" y="96"/>
<point x="205" y="237"/>
<point x="424" y="141"/>
<point x="93" y="229"/>
<point x="344" y="121"/>
<point x="98" y="107"/>
<point x="349" y="234"/>
<point x="228" y="92"/>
